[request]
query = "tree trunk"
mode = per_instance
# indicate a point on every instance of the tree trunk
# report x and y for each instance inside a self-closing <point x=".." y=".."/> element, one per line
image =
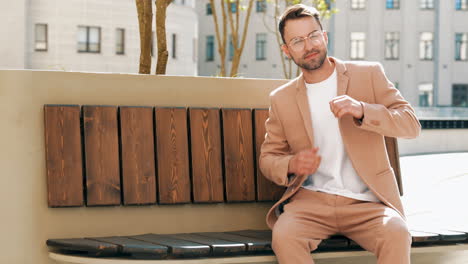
<point x="163" y="54"/>
<point x="235" y="36"/>
<point x="221" y="38"/>
<point x="145" y="17"/>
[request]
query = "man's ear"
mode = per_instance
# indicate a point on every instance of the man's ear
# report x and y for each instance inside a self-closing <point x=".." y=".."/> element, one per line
<point x="286" y="50"/>
<point x="325" y="35"/>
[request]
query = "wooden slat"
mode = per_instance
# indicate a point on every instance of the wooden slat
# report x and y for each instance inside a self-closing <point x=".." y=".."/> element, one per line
<point x="238" y="155"/>
<point x="333" y="243"/>
<point x="178" y="247"/>
<point x="207" y="173"/>
<point x="219" y="247"/>
<point x="102" y="155"/>
<point x="266" y="190"/>
<point x="424" y="238"/>
<point x="138" y="163"/>
<point x="135" y="247"/>
<point x="445" y="235"/>
<point x="253" y="244"/>
<point x="456" y="228"/>
<point x="394" y="156"/>
<point x="172" y="155"/>
<point x="63" y="156"/>
<point x="92" y="247"/>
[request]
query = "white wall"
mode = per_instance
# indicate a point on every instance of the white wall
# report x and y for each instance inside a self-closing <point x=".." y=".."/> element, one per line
<point x="12" y="34"/>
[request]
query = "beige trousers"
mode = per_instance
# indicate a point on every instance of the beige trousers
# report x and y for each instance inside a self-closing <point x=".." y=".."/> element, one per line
<point x="311" y="216"/>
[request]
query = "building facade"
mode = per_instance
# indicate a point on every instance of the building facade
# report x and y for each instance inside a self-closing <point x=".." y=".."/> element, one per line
<point x="422" y="44"/>
<point x="92" y="36"/>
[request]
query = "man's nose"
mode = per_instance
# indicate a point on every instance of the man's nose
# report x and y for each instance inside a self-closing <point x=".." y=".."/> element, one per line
<point x="308" y="44"/>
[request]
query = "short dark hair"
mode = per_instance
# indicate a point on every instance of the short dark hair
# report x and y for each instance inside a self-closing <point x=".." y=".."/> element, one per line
<point x="295" y="12"/>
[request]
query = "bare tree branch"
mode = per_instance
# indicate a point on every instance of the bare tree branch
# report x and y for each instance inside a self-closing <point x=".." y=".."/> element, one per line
<point x="163" y="54"/>
<point x="145" y="16"/>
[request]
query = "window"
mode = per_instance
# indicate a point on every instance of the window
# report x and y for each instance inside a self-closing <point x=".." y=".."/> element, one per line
<point x="393" y="4"/>
<point x="209" y="48"/>
<point x="260" y="46"/>
<point x="174" y="46"/>
<point x="392" y="45"/>
<point x="425" y="94"/>
<point x="120" y="41"/>
<point x="195" y="50"/>
<point x="425" y="46"/>
<point x="358" y="45"/>
<point x="231" y="48"/>
<point x="40" y="36"/>
<point x="461" y="4"/>
<point x="358" y="4"/>
<point x="233" y="7"/>
<point x="461" y="46"/>
<point x="427" y="4"/>
<point x="209" y="11"/>
<point x="261" y="6"/>
<point x="460" y="95"/>
<point x="89" y="39"/>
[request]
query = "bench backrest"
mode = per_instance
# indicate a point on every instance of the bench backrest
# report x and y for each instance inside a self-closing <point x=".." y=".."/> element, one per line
<point x="133" y="155"/>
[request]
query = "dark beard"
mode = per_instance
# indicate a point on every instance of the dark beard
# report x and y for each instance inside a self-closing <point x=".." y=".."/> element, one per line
<point x="312" y="65"/>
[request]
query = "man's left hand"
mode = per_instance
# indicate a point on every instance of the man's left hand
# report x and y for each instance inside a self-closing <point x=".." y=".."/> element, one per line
<point x="344" y="105"/>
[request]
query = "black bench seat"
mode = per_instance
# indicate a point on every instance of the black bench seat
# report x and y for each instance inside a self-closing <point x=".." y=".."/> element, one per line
<point x="217" y="244"/>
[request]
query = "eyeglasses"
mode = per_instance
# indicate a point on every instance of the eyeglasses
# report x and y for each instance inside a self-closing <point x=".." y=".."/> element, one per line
<point x="298" y="43"/>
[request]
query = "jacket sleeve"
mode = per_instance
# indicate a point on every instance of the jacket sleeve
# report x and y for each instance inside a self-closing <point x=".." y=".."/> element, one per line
<point x="391" y="115"/>
<point x="275" y="152"/>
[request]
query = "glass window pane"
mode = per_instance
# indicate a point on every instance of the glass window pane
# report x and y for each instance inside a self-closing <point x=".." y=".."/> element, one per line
<point x="209" y="48"/>
<point x="261" y="46"/>
<point x="82" y="38"/>
<point x="40" y="37"/>
<point x="120" y="41"/>
<point x="426" y="46"/>
<point x="425" y="94"/>
<point x="261" y="6"/>
<point x="233" y="7"/>
<point x="41" y="31"/>
<point x="94" y="35"/>
<point x="174" y="46"/>
<point x="194" y="50"/>
<point x="231" y="48"/>
<point x="358" y="45"/>
<point x="393" y="4"/>
<point x="94" y="39"/>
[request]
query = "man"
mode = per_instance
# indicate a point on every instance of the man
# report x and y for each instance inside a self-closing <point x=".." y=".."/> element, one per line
<point x="325" y="142"/>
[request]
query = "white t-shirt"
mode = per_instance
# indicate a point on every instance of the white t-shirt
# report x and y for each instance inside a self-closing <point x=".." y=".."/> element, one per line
<point x="336" y="174"/>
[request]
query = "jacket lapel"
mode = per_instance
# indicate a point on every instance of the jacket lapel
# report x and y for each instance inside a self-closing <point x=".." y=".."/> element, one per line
<point x="342" y="78"/>
<point x="304" y="108"/>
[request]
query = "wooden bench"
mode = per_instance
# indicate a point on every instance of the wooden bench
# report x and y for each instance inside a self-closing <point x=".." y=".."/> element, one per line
<point x="128" y="155"/>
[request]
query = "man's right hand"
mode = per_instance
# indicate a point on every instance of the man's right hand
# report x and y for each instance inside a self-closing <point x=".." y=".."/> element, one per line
<point x="305" y="162"/>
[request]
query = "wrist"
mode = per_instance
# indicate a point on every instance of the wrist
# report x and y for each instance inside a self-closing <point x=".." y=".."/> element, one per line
<point x="291" y="169"/>
<point x="362" y="110"/>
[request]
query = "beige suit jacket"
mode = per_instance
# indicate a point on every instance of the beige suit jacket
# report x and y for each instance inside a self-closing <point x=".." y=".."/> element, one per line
<point x="386" y="113"/>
